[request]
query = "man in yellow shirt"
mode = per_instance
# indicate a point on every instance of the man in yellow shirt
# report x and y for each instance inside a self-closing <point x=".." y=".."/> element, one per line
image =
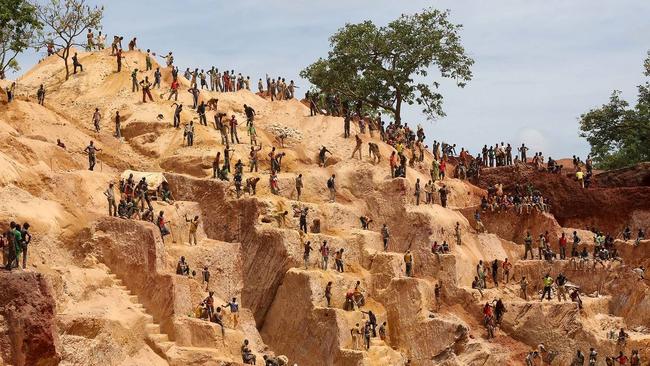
<point x="581" y="178"/>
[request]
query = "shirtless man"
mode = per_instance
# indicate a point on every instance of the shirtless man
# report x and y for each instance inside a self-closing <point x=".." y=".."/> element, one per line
<point x="91" y="149"/>
<point x="359" y="142"/>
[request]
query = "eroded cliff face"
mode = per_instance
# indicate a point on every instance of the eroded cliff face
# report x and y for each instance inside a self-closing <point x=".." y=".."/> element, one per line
<point x="607" y="208"/>
<point x="28" y="332"/>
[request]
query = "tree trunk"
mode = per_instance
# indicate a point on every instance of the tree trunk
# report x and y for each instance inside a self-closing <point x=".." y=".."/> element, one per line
<point x="66" y="53"/>
<point x="398" y="108"/>
<point x="67" y="68"/>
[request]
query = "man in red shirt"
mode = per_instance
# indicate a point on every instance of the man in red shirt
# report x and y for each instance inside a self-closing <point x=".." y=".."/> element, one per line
<point x="563" y="243"/>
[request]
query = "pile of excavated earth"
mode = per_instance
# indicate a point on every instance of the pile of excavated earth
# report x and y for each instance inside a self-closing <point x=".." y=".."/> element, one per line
<point x="101" y="290"/>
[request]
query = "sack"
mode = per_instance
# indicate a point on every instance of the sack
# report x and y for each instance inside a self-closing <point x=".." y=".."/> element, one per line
<point x="330" y="183"/>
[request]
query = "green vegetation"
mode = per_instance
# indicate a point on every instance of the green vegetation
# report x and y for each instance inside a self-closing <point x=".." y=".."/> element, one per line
<point x="378" y="65"/>
<point x="619" y="134"/>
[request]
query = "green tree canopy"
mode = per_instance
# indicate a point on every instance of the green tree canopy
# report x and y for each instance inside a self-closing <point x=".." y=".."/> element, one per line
<point x="64" y="21"/>
<point x="378" y="65"/>
<point x="618" y="133"/>
<point x="18" y="26"/>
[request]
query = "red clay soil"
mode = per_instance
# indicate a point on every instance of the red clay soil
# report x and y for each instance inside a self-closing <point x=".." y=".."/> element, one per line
<point x="608" y="208"/>
<point x="27" y="305"/>
<point x="634" y="176"/>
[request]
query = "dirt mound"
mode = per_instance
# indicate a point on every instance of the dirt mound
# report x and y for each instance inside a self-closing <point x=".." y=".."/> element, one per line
<point x="634" y="176"/>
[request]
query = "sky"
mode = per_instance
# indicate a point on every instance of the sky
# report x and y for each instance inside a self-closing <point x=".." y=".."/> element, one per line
<point x="539" y="64"/>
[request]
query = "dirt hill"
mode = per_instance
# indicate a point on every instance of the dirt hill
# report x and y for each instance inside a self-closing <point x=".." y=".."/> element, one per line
<point x="100" y="290"/>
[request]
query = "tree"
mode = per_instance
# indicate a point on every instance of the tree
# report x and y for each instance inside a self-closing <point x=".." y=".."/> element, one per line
<point x="619" y="135"/>
<point x="18" y="26"/>
<point x="64" y="21"/>
<point x="378" y="65"/>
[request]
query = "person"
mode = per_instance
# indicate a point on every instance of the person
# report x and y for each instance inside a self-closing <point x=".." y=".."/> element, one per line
<point x="622" y="338"/>
<point x="477" y="284"/>
<point x="621" y="358"/>
<point x="495" y="272"/>
<point x="250" y="114"/>
<point x="382" y="331"/>
<point x="417" y="192"/>
<point x="576" y="242"/>
<point x="233" y="129"/>
<point x="182" y="268"/>
<point x="118" y="125"/>
<point x="177" y="114"/>
<point x="162" y="225"/>
<point x="385" y="236"/>
<point x="157" y="76"/>
<point x="331" y="186"/>
<point x="40" y="94"/>
<point x="133" y="44"/>
<point x="499" y="310"/>
<point x="201" y="112"/>
<point x="146" y="89"/>
<point x="76" y="64"/>
<point x="97" y="117"/>
<point x="580" y="177"/>
<point x="579" y="359"/>
<point x="408" y="261"/>
<point x="639" y="236"/>
<point x="110" y="197"/>
<point x="507" y="266"/>
<point x="563" y="243"/>
<point x="306" y="251"/>
<point x="321" y="156"/>
<point x="91" y="150"/>
<point x="444" y="192"/>
<point x="593" y="356"/>
<point x="205" y="275"/>
<point x="522" y="150"/>
<point x="338" y="260"/>
<point x="60" y="144"/>
<point x="548" y="282"/>
<point x="134" y="81"/>
<point x="523" y="284"/>
<point x="303" y="220"/>
<point x="11" y="92"/>
<point x="479" y="224"/>
<point x="194" y="225"/>
<point x="26" y="238"/>
<point x="195" y="95"/>
<point x="575" y="297"/>
<point x="366" y="335"/>
<point x="247" y="356"/>
<point x="357" y="147"/>
<point x="234" y="311"/>
<point x="355" y="333"/>
<point x="437" y="294"/>
<point x="173" y="91"/>
<point x="189" y="133"/>
<point x="299" y="186"/>
<point x="528" y="245"/>
<point x="561" y="281"/>
<point x="531" y="357"/>
<point x="458" y="234"/>
<point x="118" y="59"/>
<point x="328" y="293"/>
<point x="325" y="254"/>
<point x="635" y="360"/>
